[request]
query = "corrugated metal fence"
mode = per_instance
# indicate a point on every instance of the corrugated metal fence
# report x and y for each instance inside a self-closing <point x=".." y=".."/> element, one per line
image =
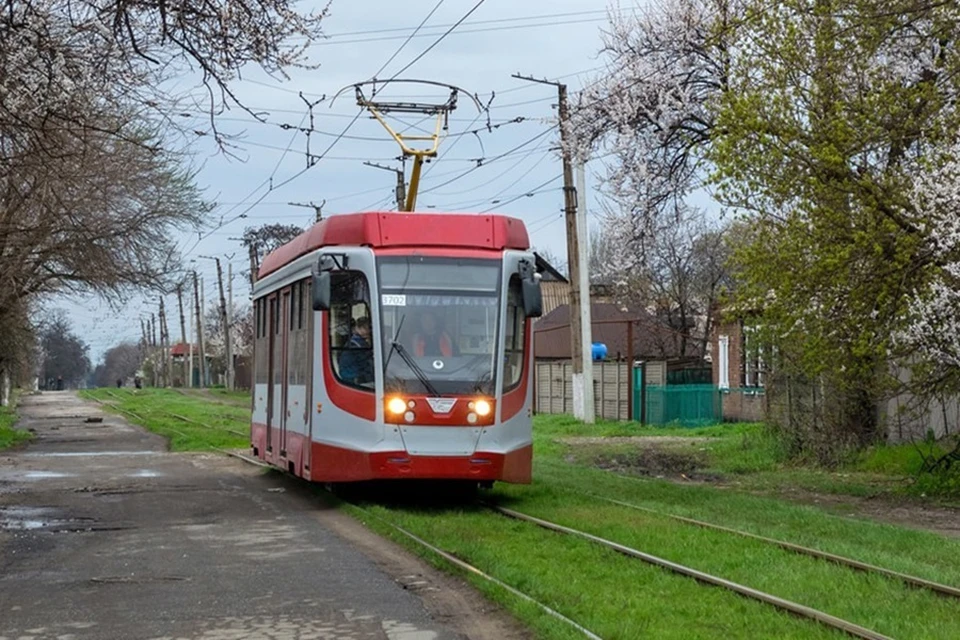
<point x="611" y="389"/>
<point x="614" y="382"/>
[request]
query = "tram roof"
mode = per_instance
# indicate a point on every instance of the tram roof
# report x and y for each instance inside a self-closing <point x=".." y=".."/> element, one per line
<point x="396" y="230"/>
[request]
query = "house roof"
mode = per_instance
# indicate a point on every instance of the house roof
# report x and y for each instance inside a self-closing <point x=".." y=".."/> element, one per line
<point x="182" y="349"/>
<point x="651" y="338"/>
<point x="547" y="271"/>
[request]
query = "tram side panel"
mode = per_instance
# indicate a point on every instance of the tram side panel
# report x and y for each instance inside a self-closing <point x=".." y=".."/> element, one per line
<point x="512" y="433"/>
<point x="261" y="384"/>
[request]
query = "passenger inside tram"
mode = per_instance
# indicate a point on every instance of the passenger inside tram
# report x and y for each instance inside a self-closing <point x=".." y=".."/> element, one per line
<point x="356" y="359"/>
<point x="431" y="340"/>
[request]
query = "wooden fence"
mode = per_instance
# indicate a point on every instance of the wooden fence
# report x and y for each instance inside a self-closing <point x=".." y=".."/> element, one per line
<point x="611" y="389"/>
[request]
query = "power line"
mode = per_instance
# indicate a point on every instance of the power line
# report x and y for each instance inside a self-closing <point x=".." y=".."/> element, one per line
<point x="440" y="39"/>
<point x="409" y="38"/>
<point x="497" y="157"/>
<point x="528" y="194"/>
<point x="475" y="22"/>
<point x="556" y="23"/>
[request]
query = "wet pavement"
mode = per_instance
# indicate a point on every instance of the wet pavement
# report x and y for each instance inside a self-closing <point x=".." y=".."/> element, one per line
<point x="103" y="534"/>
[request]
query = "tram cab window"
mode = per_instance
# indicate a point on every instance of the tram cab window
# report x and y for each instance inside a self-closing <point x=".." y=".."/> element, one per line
<point x="351" y="337"/>
<point x="514" y="335"/>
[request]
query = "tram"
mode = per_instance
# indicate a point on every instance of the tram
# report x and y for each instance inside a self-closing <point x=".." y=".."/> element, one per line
<point x="397" y="345"/>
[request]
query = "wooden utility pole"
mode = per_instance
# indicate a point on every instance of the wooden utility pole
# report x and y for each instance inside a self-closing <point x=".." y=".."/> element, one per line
<point x="164" y="346"/>
<point x="196" y="304"/>
<point x="573" y="251"/>
<point x="401" y="190"/>
<point x="225" y="323"/>
<point x="183" y="335"/>
<point x="254" y="265"/>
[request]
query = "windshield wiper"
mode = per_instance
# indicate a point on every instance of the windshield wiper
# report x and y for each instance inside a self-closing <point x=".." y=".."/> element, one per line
<point x="393" y="344"/>
<point x="421" y="376"/>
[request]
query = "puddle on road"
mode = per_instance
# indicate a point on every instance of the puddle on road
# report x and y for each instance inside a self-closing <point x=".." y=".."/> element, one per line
<point x="32" y="518"/>
<point x="43" y="475"/>
<point x="80" y="454"/>
<point x="146" y="473"/>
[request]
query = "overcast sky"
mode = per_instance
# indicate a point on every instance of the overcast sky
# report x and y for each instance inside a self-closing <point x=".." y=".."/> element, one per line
<point x="543" y="38"/>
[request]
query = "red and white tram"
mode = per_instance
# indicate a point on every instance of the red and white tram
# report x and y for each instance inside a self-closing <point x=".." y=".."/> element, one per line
<point x="397" y="345"/>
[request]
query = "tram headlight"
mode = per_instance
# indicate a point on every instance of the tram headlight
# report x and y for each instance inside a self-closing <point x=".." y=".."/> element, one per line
<point x="482" y="407"/>
<point x="396" y="406"/>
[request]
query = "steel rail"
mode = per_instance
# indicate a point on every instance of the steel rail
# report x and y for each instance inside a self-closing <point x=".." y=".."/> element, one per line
<point x="446" y="556"/>
<point x="472" y="569"/>
<point x="914" y="581"/>
<point x="807" y="612"/>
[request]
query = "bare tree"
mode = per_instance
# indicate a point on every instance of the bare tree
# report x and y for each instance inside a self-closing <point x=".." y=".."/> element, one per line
<point x="119" y="363"/>
<point x="65" y="355"/>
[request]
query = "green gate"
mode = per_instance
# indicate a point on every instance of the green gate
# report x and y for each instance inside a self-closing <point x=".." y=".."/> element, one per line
<point x="688" y="405"/>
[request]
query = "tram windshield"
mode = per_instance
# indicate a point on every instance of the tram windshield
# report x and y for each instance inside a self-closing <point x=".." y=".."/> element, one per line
<point x="439" y="320"/>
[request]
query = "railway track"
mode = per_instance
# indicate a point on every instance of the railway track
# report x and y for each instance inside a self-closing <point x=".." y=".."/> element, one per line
<point x="913" y="581"/>
<point x="820" y="617"/>
<point x="850" y="628"/>
<point x="845" y="626"/>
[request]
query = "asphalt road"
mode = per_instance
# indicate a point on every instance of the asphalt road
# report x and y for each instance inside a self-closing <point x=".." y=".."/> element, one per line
<point x="106" y="535"/>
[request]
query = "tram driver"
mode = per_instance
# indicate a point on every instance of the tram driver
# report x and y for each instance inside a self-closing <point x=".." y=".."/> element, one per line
<point x="356" y="359"/>
<point x="431" y="341"/>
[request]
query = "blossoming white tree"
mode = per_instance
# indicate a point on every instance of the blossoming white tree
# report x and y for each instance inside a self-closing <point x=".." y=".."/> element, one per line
<point x="650" y="114"/>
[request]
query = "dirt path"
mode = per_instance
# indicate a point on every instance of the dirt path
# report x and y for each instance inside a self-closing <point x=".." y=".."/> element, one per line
<point x="106" y="535"/>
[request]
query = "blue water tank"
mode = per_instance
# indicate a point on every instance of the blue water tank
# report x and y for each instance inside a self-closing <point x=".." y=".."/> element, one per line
<point x="599" y="351"/>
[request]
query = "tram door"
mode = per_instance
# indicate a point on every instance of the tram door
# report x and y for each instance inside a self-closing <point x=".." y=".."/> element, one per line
<point x="272" y="327"/>
<point x="283" y="387"/>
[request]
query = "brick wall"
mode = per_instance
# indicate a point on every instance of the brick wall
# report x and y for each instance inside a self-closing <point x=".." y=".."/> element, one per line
<point x="744" y="406"/>
<point x="734" y="333"/>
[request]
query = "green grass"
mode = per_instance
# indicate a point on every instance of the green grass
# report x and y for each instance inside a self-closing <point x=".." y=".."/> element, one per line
<point x="8" y="417"/>
<point x="155" y="406"/>
<point x="751" y="458"/>
<point x="620" y="597"/>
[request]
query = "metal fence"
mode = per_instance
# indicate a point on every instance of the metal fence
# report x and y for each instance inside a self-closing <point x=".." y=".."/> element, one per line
<point x="688" y="405"/>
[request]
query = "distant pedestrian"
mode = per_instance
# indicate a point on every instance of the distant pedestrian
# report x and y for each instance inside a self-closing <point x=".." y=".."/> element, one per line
<point x="59" y="383"/>
<point x="119" y="382"/>
<point x="138" y="382"/>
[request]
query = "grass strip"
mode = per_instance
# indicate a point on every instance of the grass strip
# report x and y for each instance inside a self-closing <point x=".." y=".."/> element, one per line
<point x="10" y="436"/>
<point x="208" y="425"/>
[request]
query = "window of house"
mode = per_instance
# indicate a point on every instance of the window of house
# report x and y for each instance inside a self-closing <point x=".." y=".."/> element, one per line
<point x="514" y="335"/>
<point x="723" y="363"/>
<point x="350" y="330"/>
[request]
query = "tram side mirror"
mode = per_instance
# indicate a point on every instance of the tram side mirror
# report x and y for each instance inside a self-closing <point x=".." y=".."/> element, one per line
<point x="321" y="290"/>
<point x="530" y="290"/>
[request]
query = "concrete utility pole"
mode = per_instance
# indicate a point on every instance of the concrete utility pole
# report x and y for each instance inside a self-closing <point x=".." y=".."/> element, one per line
<point x="401" y="190"/>
<point x="573" y="251"/>
<point x="586" y="324"/>
<point x="183" y="334"/>
<point x="316" y="207"/>
<point x="225" y="322"/>
<point x="199" y="316"/>
<point x="231" y="369"/>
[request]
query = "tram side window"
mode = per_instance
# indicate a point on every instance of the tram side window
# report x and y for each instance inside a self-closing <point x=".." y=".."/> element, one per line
<point x="514" y="334"/>
<point x="351" y="338"/>
<point x="262" y="346"/>
<point x="297" y="341"/>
